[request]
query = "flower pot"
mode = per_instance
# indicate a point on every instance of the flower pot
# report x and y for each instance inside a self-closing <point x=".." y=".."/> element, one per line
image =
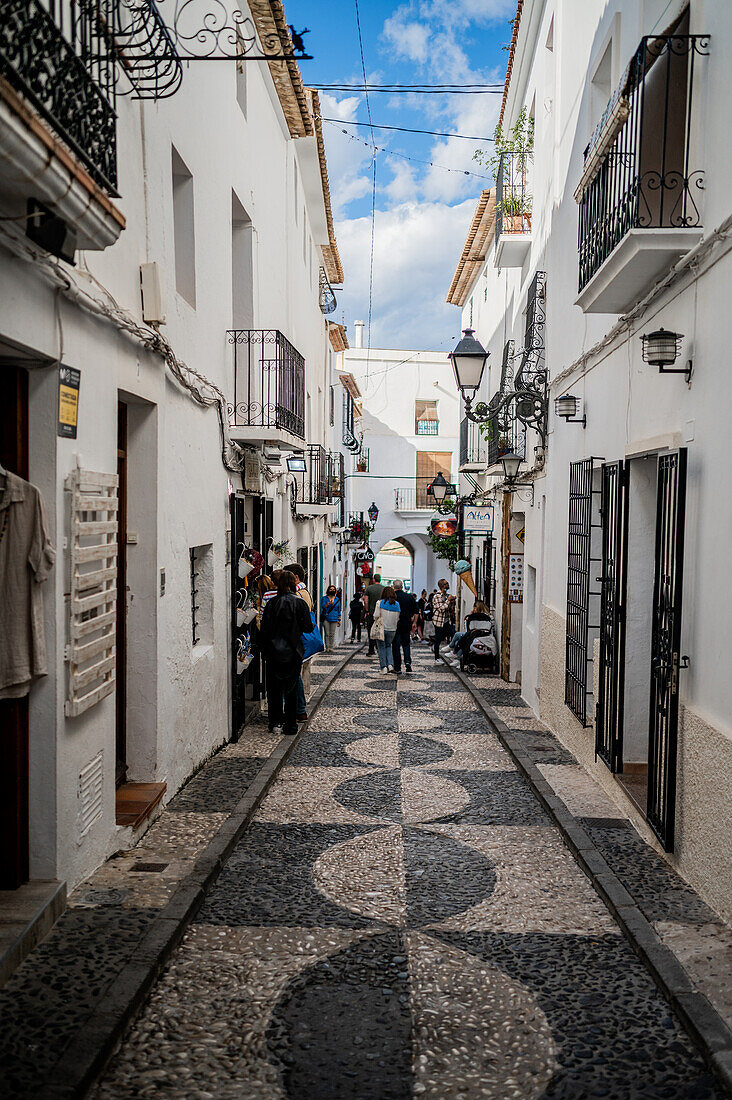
<point x="248" y="616"/>
<point x="244" y="568"/>
<point x="240" y="620"/>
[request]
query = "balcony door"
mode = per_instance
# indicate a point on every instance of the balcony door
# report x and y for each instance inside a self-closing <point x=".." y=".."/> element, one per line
<point x="429" y="465"/>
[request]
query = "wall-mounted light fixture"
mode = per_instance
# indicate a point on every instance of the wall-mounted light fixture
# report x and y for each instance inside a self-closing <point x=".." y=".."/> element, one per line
<point x="297" y="464"/>
<point x="567" y="406"/>
<point x="661" y="349"/>
<point x="468" y="362"/>
<point x="511" y="463"/>
<point x="373" y="512"/>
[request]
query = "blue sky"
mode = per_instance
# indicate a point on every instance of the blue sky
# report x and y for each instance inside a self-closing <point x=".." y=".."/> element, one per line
<point x="422" y="211"/>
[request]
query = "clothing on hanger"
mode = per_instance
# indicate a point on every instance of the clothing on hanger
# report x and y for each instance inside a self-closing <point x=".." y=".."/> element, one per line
<point x="26" y="559"/>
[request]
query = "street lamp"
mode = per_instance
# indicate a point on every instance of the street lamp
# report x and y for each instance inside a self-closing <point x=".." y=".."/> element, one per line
<point x="510" y="463"/>
<point x="373" y="512"/>
<point x="661" y="349"/>
<point x="468" y="362"/>
<point x="439" y="488"/>
<point x="567" y="406"/>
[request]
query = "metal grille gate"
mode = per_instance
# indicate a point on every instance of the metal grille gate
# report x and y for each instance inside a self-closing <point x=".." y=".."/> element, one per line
<point x="611" y="690"/>
<point x="578" y="587"/>
<point x="665" y="645"/>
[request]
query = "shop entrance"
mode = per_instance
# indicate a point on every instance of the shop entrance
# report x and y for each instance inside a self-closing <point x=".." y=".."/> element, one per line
<point x="14" y="724"/>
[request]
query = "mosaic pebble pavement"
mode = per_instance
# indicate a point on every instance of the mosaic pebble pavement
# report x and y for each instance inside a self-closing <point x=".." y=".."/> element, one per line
<point x="403" y="920"/>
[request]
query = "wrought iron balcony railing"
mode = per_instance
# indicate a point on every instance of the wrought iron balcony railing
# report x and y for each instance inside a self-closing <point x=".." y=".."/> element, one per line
<point x="269" y="382"/>
<point x="638" y="171"/>
<point x="349" y="424"/>
<point x="414" y="498"/>
<point x="472" y="444"/>
<point x="65" y="58"/>
<point x="513" y="193"/>
<point x="504" y="434"/>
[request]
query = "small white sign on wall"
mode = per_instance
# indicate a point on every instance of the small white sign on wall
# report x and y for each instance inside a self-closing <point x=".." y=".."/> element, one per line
<point x="478" y="519"/>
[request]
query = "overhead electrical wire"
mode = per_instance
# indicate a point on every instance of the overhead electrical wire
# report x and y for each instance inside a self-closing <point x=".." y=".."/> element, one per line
<point x="407" y="130"/>
<point x="373" y="185"/>
<point x="411" y="89"/>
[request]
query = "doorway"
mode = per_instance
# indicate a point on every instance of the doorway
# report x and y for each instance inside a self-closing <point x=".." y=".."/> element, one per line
<point x="121" y="672"/>
<point x="14" y="722"/>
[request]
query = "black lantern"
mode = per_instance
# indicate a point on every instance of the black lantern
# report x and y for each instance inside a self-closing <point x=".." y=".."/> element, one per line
<point x="373" y="512"/>
<point x="510" y="463"/>
<point x="439" y="488"/>
<point x="468" y="362"/>
<point x="567" y="406"/>
<point x="661" y="349"/>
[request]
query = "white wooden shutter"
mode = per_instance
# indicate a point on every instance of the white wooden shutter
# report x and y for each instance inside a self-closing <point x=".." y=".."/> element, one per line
<point x="91" y="654"/>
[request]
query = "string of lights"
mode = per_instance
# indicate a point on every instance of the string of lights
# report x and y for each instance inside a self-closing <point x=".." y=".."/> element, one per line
<point x="415" y="160"/>
<point x="411" y="89"/>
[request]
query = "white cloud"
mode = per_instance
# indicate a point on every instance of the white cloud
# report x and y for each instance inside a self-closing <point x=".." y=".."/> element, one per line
<point x="417" y="245"/>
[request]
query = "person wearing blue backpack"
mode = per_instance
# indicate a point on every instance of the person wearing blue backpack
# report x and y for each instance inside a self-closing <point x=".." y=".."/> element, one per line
<point x="284" y="622"/>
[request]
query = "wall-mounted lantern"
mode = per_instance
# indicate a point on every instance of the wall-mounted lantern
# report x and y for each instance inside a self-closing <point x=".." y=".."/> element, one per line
<point x="468" y="362"/>
<point x="567" y="406"/>
<point x="373" y="512"/>
<point x="661" y="349"/>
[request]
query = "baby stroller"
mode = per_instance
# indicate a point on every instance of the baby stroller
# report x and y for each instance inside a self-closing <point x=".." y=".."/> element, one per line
<point x="479" y="650"/>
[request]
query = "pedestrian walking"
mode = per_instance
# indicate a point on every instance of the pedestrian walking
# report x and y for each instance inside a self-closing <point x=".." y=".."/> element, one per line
<point x="372" y="597"/>
<point x="330" y="614"/>
<point x="383" y="629"/>
<point x="301" y="590"/>
<point x="407" y="622"/>
<point x="355" y="615"/>
<point x="441" y="616"/>
<point x="418" y="629"/>
<point x="284" y="621"/>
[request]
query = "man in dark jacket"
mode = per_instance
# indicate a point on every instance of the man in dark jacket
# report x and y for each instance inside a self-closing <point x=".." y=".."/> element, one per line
<point x="407" y="620"/>
<point x="372" y="597"/>
<point x="285" y="620"/>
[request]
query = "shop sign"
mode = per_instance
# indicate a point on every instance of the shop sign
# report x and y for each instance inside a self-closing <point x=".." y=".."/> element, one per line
<point x="444" y="527"/>
<point x="515" y="578"/>
<point x="364" y="555"/>
<point x="478" y="519"/>
<point x="68" y="401"/>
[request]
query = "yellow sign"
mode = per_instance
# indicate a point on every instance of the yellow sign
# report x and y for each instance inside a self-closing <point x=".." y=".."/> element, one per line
<point x="68" y="401"/>
<point x="521" y="535"/>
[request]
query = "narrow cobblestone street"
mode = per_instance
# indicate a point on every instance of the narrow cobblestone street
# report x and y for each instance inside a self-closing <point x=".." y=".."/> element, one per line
<point x="402" y="918"/>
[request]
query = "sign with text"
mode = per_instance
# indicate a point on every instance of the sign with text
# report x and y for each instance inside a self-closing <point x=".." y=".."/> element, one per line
<point x="68" y="401"/>
<point x="478" y="519"/>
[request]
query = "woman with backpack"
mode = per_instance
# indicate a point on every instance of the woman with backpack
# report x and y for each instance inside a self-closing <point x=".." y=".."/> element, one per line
<point x="284" y="621"/>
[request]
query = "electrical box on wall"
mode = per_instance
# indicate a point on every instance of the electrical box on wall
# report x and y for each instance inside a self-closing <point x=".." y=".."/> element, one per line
<point x="153" y="306"/>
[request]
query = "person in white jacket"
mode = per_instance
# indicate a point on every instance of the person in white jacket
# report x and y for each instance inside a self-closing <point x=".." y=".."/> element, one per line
<point x="386" y="614"/>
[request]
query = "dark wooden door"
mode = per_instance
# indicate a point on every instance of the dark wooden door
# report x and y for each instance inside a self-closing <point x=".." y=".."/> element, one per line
<point x="14" y="724"/>
<point x="121" y="674"/>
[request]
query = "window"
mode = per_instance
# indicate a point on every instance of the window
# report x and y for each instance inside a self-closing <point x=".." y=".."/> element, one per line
<point x="425" y="418"/>
<point x="601" y="84"/>
<point x="429" y="465"/>
<point x="201" y="570"/>
<point x="242" y="281"/>
<point x="184" y="238"/>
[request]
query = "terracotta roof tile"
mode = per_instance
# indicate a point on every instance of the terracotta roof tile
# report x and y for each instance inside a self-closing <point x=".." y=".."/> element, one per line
<point x="475" y="248"/>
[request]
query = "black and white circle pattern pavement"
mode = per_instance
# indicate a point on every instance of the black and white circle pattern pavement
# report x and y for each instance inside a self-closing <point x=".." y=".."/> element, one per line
<point x="402" y="919"/>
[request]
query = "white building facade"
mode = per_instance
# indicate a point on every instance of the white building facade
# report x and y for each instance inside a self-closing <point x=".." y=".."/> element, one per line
<point x="187" y="323"/>
<point x="614" y="538"/>
<point x="409" y="424"/>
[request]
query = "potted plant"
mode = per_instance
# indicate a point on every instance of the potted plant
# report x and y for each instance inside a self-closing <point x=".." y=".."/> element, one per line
<point x="361" y="465"/>
<point x="276" y="555"/>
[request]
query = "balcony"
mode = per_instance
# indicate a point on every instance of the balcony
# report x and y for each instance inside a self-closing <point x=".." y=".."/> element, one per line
<point x="269" y="389"/>
<point x="472" y="447"/>
<point x="503" y="434"/>
<point x="414" y="498"/>
<point x="513" y="209"/>
<point x="640" y="192"/>
<point x="318" y="490"/>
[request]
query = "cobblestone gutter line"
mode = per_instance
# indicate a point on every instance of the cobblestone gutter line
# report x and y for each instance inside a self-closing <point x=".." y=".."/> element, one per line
<point x="93" y="1045"/>
<point x="700" y="1018"/>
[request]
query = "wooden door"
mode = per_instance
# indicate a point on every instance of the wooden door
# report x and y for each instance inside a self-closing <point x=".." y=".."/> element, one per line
<point x="121" y="675"/>
<point x="429" y="465"/>
<point x="14" y="724"/>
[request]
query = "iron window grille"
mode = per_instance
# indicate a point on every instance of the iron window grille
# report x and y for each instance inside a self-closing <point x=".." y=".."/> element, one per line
<point x="426" y="420"/>
<point x="426" y="427"/>
<point x="349" y="416"/>
<point x="609" y="710"/>
<point x="582" y="600"/>
<point x="414" y="497"/>
<point x="269" y="382"/>
<point x="66" y="58"/>
<point x="331" y="406"/>
<point x="644" y="178"/>
<point x="472" y="446"/>
<point x="195" y="606"/>
<point x="513" y="195"/>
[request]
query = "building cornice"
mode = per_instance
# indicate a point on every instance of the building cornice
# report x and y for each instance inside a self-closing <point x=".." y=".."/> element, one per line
<point x="269" y="20"/>
<point x="480" y="235"/>
<point x="331" y="258"/>
<point x="511" y="56"/>
<point x="337" y="336"/>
